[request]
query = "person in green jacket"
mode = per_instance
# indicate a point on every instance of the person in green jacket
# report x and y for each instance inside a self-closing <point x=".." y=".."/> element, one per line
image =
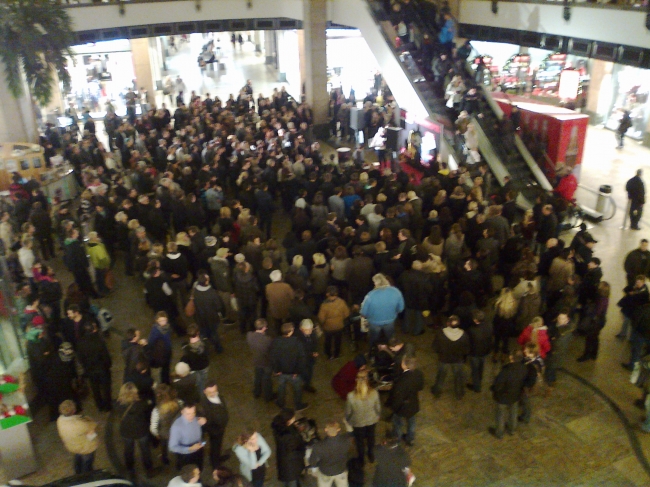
<point x="100" y="260"/>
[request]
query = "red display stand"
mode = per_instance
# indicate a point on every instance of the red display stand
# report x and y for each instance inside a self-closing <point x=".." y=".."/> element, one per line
<point x="555" y="136"/>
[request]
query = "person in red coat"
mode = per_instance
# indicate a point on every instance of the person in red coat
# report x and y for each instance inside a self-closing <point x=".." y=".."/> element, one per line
<point x="537" y="333"/>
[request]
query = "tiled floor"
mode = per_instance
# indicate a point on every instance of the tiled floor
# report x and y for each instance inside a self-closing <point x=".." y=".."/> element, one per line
<point x="574" y="438"/>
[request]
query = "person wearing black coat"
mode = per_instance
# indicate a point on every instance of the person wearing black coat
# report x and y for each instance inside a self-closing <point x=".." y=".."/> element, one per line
<point x="60" y="374"/>
<point x="480" y="346"/>
<point x="208" y="309"/>
<point x="547" y="227"/>
<point x="213" y="408"/>
<point x="76" y="261"/>
<point x="287" y="357"/>
<point x="134" y="427"/>
<point x="105" y="227"/>
<point x="404" y="399"/>
<point x="290" y="448"/>
<point x="636" y="194"/>
<point x="42" y="222"/>
<point x="247" y="292"/>
<point x="507" y="389"/>
<point x="96" y="361"/>
<point x="416" y="289"/>
<point x="452" y="346"/>
<point x="160" y="295"/>
<point x="50" y="294"/>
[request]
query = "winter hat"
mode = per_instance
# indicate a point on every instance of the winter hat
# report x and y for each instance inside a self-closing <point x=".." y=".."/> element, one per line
<point x="210" y="241"/>
<point x="239" y="258"/>
<point x="182" y="369"/>
<point x="222" y="253"/>
<point x="276" y="276"/>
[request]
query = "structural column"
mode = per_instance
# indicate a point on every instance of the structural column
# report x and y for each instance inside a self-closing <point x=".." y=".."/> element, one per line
<point x="144" y="66"/>
<point x="315" y="24"/>
<point x="17" y="119"/>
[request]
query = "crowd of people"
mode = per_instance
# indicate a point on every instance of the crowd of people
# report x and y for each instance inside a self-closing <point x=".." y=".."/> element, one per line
<point x="230" y="213"/>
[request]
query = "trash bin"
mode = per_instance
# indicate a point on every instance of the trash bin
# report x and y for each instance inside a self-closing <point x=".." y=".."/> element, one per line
<point x="603" y="198"/>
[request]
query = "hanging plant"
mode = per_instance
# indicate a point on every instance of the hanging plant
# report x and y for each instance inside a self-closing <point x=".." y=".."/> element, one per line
<point x="35" y="38"/>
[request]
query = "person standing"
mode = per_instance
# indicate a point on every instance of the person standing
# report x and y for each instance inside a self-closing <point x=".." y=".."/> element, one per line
<point x="260" y="345"/>
<point x="404" y="399"/>
<point x="76" y="261"/>
<point x="190" y="476"/>
<point x="134" y="428"/>
<point x="185" y="438"/>
<point x="279" y="296"/>
<point x="253" y="451"/>
<point x="332" y="315"/>
<point x="452" y="346"/>
<point x="290" y="448"/>
<point x="160" y="346"/>
<point x="637" y="263"/>
<point x="393" y="463"/>
<point x="624" y="124"/>
<point x="595" y="323"/>
<point x="162" y="417"/>
<point x="381" y="307"/>
<point x="209" y="308"/>
<point x="213" y="408"/>
<point x="93" y="355"/>
<point x="480" y="346"/>
<point x="309" y="342"/>
<point x="507" y="390"/>
<point x="636" y="194"/>
<point x="416" y="287"/>
<point x="288" y="362"/>
<point x="329" y="457"/>
<point x="246" y="289"/>
<point x="79" y="436"/>
<point x="195" y="354"/>
<point x="362" y="412"/>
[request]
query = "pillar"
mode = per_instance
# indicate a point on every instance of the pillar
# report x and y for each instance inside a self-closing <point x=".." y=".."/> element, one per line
<point x="314" y="24"/>
<point x="17" y="118"/>
<point x="258" y="37"/>
<point x="599" y="96"/>
<point x="270" y="48"/>
<point x="143" y="65"/>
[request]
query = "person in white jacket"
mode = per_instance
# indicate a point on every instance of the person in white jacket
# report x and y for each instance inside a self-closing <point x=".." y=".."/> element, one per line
<point x="189" y="477"/>
<point x="26" y="257"/>
<point x="253" y="451"/>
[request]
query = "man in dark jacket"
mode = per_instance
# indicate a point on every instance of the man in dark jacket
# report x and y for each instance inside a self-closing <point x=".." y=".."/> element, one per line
<point x="480" y="340"/>
<point x="416" y="289"/>
<point x="213" y="408"/>
<point x="404" y="399"/>
<point x="76" y="261"/>
<point x="260" y="345"/>
<point x="506" y="391"/>
<point x="93" y="355"/>
<point x="637" y="262"/>
<point x="288" y="364"/>
<point x="42" y="222"/>
<point x="359" y="275"/>
<point x="330" y="456"/>
<point x="265" y="209"/>
<point x="636" y="194"/>
<point x="452" y="346"/>
<point x="547" y="226"/>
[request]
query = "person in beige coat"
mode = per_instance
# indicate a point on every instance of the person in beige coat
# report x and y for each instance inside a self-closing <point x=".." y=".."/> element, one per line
<point x="79" y="436"/>
<point x="362" y="412"/>
<point x="562" y="268"/>
<point x="332" y="315"/>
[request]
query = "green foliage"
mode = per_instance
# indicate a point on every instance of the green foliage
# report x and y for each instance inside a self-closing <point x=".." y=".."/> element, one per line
<point x="35" y="36"/>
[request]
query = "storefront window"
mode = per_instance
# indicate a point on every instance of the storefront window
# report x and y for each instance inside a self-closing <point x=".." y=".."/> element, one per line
<point x="631" y="87"/>
<point x="350" y="62"/>
<point x="100" y="73"/>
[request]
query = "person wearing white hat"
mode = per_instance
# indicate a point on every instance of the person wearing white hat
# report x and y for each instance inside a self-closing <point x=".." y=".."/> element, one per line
<point x="279" y="295"/>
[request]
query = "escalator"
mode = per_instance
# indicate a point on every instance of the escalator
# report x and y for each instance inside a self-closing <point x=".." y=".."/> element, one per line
<point x="501" y="149"/>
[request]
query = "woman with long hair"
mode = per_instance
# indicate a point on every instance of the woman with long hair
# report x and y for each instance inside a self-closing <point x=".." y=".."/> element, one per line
<point x="134" y="427"/>
<point x="434" y="243"/>
<point x="253" y="451"/>
<point x="162" y="417"/>
<point x="362" y="412"/>
<point x="505" y="312"/>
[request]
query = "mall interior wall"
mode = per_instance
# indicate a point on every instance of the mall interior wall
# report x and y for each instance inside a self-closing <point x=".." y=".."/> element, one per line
<point x="17" y="120"/>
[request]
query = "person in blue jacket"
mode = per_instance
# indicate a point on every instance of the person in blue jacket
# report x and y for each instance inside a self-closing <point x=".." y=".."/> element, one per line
<point x="381" y="307"/>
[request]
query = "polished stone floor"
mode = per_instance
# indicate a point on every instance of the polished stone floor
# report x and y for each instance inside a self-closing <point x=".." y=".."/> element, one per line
<point x="575" y="437"/>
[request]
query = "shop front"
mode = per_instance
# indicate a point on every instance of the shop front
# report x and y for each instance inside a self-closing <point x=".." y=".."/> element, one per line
<point x="101" y="74"/>
<point x="626" y="88"/>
